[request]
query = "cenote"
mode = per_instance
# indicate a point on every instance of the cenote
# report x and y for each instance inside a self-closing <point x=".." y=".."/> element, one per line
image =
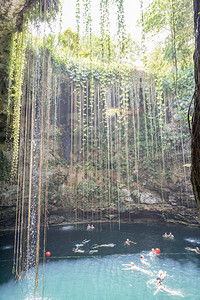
<point x="96" y="122"/>
<point x="100" y="275"/>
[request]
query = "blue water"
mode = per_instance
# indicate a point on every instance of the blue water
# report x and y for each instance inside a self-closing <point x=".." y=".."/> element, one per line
<point x="100" y="275"/>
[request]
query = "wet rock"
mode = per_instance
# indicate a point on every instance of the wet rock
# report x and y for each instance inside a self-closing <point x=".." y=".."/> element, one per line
<point x="125" y="195"/>
<point x="148" y="198"/>
<point x="8" y="196"/>
<point x="172" y="200"/>
<point x="55" y="219"/>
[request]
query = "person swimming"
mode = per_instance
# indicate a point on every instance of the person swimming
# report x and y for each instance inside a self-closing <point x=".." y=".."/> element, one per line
<point x="103" y="245"/>
<point x="196" y="250"/>
<point x="92" y="251"/>
<point x="152" y="253"/>
<point x="165" y="235"/>
<point x="161" y="275"/>
<point x="171" y="235"/>
<point x="160" y="287"/>
<point x="78" y="250"/>
<point x="143" y="261"/>
<point x="128" y="242"/>
<point x="85" y="241"/>
<point x="82" y="243"/>
<point x="132" y="267"/>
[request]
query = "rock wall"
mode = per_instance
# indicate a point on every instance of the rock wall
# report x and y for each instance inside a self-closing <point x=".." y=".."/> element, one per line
<point x="152" y="200"/>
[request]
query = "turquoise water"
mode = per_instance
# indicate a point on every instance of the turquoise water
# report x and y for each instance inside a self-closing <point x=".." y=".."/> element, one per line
<point x="100" y="275"/>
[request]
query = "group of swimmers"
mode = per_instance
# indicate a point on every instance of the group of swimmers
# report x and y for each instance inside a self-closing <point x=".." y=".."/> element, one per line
<point x="170" y="235"/>
<point x="90" y="227"/>
<point x="78" y="248"/>
<point x="158" y="281"/>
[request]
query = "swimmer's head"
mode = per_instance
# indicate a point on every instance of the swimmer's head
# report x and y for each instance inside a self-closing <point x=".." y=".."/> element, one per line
<point x="132" y="264"/>
<point x="142" y="256"/>
<point x="152" y="249"/>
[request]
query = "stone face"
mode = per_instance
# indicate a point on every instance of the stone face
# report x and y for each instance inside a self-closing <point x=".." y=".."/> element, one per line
<point x="148" y="198"/>
<point x="54" y="219"/>
<point x="125" y="195"/>
<point x="59" y="192"/>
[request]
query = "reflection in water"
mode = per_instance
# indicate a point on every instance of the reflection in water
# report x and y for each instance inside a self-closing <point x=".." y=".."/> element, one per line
<point x="65" y="228"/>
<point x="6" y="247"/>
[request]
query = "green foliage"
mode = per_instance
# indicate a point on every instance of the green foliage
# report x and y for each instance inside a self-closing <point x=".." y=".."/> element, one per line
<point x="17" y="74"/>
<point x="118" y="117"/>
<point x="185" y="88"/>
<point x="70" y="46"/>
<point x="69" y="42"/>
<point x="174" y="20"/>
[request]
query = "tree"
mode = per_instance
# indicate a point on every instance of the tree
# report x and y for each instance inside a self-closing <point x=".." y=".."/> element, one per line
<point x="173" y="19"/>
<point x="195" y="133"/>
<point x="69" y="42"/>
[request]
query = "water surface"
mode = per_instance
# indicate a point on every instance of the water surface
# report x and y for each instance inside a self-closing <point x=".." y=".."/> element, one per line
<point x="100" y="275"/>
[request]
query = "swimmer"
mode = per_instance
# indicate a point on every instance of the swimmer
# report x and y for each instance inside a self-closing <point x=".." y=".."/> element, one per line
<point x="132" y="267"/>
<point x="165" y="235"/>
<point x="103" y="245"/>
<point x="152" y="253"/>
<point x="160" y="286"/>
<point x="128" y="265"/>
<point x="92" y="226"/>
<point x="161" y="275"/>
<point x="93" y="251"/>
<point x="82" y="243"/>
<point x="171" y="235"/>
<point x="128" y="242"/>
<point x="164" y="288"/>
<point x="85" y="241"/>
<point x="78" y="250"/>
<point x="196" y="250"/>
<point x="143" y="261"/>
<point x="79" y="245"/>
